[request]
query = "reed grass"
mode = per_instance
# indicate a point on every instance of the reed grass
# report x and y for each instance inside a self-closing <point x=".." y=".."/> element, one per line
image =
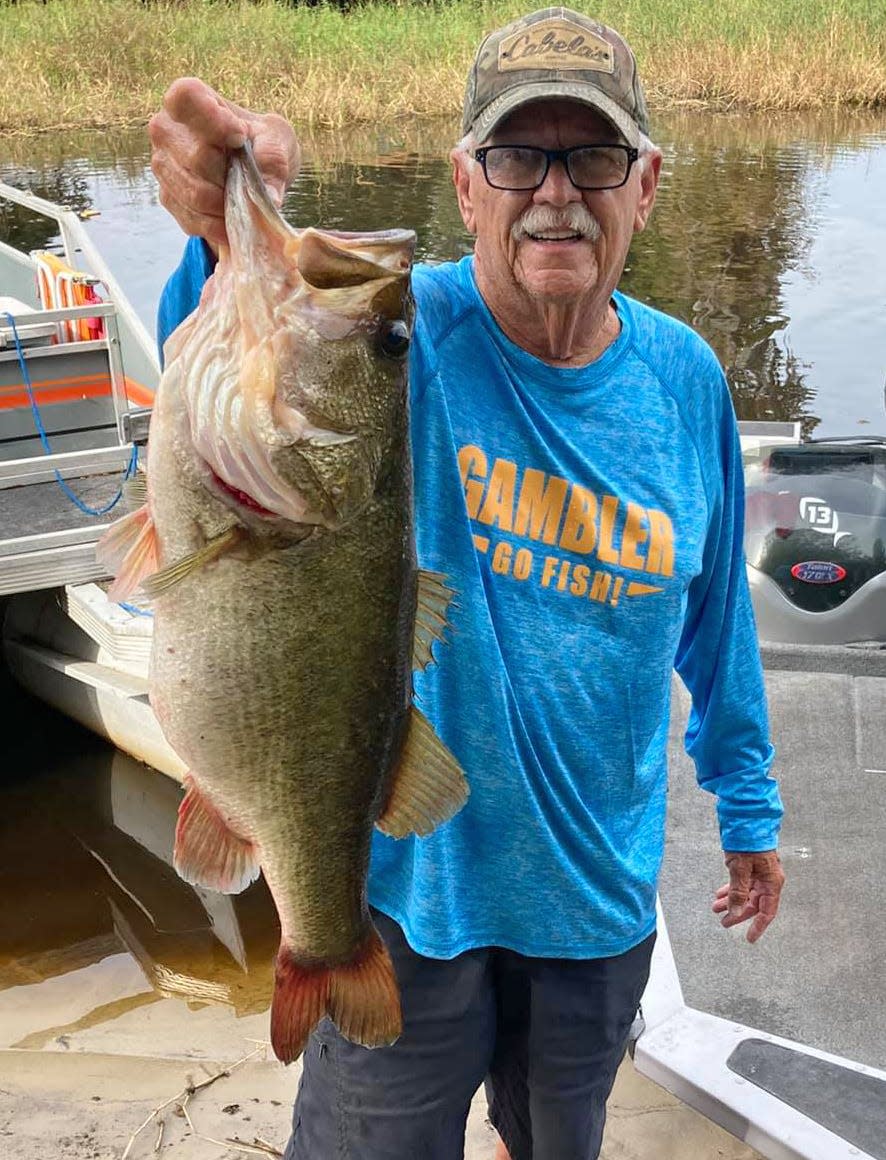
<point x="68" y="63"/>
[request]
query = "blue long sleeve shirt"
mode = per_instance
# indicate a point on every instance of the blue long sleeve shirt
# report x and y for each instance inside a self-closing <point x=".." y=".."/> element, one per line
<point x="590" y="520"/>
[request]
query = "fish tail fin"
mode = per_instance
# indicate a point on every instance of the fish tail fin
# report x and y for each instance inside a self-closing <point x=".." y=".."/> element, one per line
<point x="361" y="997"/>
<point x="364" y="999"/>
<point x="301" y="997"/>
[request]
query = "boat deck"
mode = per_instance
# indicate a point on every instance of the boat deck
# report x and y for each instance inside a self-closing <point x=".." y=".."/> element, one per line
<point x="77" y="375"/>
<point x="42" y="508"/>
<point x="819" y="974"/>
<point x="783" y="1042"/>
<point x="47" y="540"/>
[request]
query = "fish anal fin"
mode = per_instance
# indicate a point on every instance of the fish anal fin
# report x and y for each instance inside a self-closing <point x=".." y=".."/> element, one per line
<point x="360" y="996"/>
<point x="432" y="605"/>
<point x="207" y="851"/>
<point x="129" y="549"/>
<point x="428" y="785"/>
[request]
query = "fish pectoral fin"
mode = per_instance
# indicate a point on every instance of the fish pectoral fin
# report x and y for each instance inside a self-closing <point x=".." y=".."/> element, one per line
<point x="160" y="582"/>
<point x="129" y="550"/>
<point x="361" y="997"/>
<point x="207" y="851"/>
<point x="428" y="787"/>
<point x="432" y="605"/>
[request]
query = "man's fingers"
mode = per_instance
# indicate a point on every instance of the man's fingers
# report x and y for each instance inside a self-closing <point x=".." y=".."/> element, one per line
<point x="758" y="926"/>
<point x="192" y="137"/>
<point x="189" y="137"/>
<point x="208" y="226"/>
<point x="196" y="201"/>
<point x="721" y="900"/>
<point x="739" y="882"/>
<point x="767" y="908"/>
<point x="753" y="891"/>
<point x="201" y="192"/>
<point x="208" y="116"/>
<point x="277" y="152"/>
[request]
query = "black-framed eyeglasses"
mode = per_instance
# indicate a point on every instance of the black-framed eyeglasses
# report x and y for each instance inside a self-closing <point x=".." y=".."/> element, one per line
<point x="525" y="167"/>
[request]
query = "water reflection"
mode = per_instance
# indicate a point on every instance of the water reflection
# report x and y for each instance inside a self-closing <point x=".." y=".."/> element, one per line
<point x="757" y="239"/>
<point x="96" y="923"/>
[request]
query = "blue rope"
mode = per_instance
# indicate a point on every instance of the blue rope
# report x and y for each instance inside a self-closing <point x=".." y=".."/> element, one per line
<point x="131" y="467"/>
<point x="133" y="610"/>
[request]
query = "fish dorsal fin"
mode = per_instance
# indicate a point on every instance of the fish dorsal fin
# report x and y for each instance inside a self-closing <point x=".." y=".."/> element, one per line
<point x="160" y="582"/>
<point x="129" y="550"/>
<point x="207" y="851"/>
<point x="135" y="491"/>
<point x="434" y="599"/>
<point x="428" y="784"/>
<point x="325" y="264"/>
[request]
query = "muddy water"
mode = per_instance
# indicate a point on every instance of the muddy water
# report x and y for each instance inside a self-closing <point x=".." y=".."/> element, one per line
<point x="95" y="922"/>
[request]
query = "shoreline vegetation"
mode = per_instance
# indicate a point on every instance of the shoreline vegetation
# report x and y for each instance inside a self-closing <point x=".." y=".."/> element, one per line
<point x="67" y="64"/>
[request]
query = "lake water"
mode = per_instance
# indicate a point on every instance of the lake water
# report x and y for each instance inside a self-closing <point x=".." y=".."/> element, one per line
<point x="769" y="237"/>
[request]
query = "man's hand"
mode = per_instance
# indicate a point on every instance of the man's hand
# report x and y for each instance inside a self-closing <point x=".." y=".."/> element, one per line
<point x="753" y="891"/>
<point x="191" y="136"/>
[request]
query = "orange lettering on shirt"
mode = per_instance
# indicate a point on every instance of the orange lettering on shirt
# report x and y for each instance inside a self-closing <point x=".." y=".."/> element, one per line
<point x="660" y="557"/>
<point x="579" y="528"/>
<point x="540" y="505"/>
<point x="547" y="572"/>
<point x="600" y="586"/>
<point x="606" y="552"/>
<point x="634" y="534"/>
<point x="501" y="558"/>
<point x="498" y="507"/>
<point x="522" y="564"/>
<point x="471" y="459"/>
<point x="579" y="584"/>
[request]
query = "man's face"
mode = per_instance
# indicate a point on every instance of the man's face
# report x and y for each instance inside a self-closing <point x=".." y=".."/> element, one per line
<point x="520" y="244"/>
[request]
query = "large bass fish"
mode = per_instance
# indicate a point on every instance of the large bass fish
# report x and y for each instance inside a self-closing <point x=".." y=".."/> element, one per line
<point x="277" y="546"/>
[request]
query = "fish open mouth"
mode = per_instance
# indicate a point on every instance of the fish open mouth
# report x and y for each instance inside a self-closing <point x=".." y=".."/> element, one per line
<point x="241" y="497"/>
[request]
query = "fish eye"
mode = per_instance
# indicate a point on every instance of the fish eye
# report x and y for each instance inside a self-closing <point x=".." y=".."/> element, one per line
<point x="393" y="339"/>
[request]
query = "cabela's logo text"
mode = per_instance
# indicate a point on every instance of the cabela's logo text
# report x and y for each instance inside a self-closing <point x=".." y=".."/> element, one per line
<point x="555" y="44"/>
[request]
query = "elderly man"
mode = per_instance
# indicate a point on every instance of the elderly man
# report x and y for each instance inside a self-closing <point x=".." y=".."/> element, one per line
<point x="579" y="480"/>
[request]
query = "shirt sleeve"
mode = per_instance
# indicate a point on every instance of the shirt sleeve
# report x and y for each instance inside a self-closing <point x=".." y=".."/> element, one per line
<point x="181" y="294"/>
<point x="718" y="659"/>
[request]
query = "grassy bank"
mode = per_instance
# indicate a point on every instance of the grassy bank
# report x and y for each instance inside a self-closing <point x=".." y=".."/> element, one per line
<point x="107" y="62"/>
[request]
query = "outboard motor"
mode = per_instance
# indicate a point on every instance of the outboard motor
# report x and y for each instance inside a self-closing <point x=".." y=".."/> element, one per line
<point x="815" y="541"/>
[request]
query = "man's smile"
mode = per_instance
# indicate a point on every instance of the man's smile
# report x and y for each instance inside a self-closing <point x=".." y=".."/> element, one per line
<point x="554" y="237"/>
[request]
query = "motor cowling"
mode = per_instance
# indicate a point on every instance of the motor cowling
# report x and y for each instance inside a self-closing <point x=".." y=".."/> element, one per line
<point x="815" y="521"/>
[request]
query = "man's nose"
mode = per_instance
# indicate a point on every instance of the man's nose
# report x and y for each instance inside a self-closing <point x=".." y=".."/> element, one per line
<point x="557" y="188"/>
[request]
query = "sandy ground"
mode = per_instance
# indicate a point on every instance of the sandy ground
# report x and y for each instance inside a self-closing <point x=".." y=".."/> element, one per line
<point x="87" y="1106"/>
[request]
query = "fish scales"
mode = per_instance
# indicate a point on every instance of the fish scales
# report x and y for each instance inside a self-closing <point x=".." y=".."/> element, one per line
<point x="315" y="708"/>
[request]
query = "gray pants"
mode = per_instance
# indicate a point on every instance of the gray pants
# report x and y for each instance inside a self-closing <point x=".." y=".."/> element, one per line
<point x="547" y="1035"/>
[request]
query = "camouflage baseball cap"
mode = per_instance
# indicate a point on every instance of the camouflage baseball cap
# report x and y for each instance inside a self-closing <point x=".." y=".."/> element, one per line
<point x="555" y="52"/>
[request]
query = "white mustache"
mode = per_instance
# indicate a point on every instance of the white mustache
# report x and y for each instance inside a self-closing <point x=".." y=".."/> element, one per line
<point x="574" y="218"/>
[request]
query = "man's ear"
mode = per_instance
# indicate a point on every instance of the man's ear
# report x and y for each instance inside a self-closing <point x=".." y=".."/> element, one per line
<point x="461" y="179"/>
<point x="649" y="174"/>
